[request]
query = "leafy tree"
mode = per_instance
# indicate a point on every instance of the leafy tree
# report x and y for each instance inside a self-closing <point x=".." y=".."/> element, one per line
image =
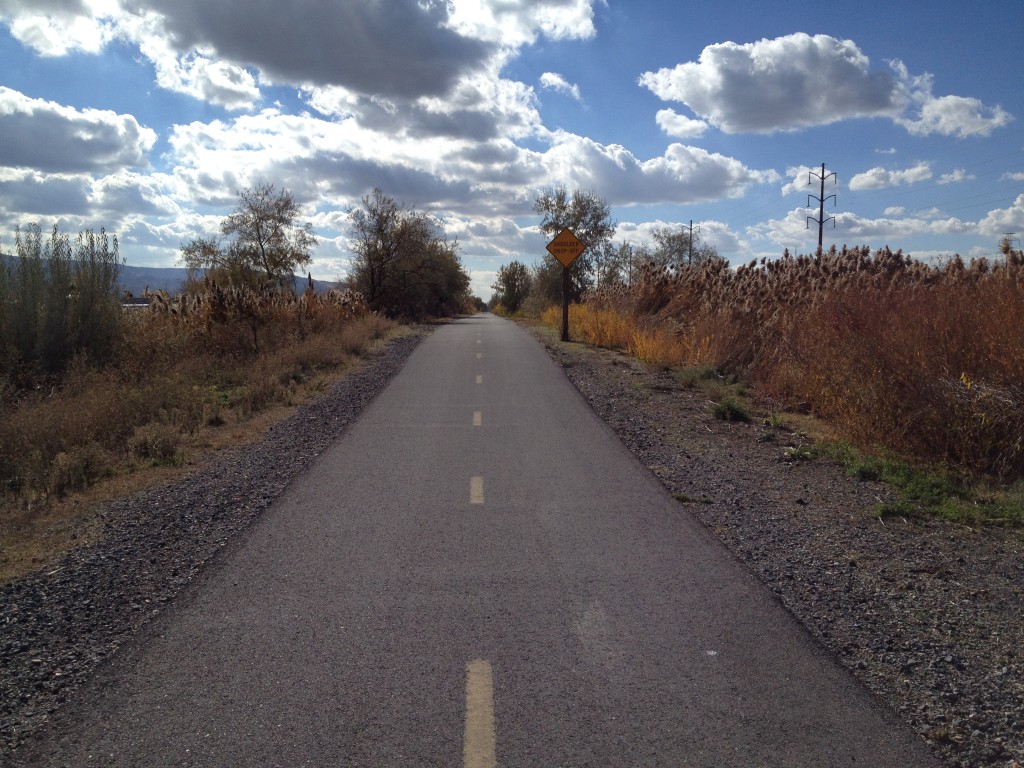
<point x="59" y="301"/>
<point x="547" y="283"/>
<point x="616" y="262"/>
<point x="204" y="256"/>
<point x="265" y="241"/>
<point x="675" y="246"/>
<point x="403" y="264"/>
<point x="589" y="217"/>
<point x="513" y="285"/>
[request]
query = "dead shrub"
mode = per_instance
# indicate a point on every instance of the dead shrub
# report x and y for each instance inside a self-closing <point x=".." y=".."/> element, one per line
<point x="76" y="469"/>
<point x="155" y="441"/>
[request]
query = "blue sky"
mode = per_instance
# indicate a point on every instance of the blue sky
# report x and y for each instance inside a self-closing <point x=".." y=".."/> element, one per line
<point x="146" y="117"/>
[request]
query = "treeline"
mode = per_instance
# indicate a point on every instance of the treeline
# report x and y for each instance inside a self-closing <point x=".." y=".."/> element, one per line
<point x="89" y="388"/>
<point x="605" y="262"/>
<point x="403" y="265"/>
<point x="59" y="297"/>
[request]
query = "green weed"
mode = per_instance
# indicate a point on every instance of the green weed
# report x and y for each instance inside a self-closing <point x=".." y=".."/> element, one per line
<point x="930" y="491"/>
<point x="730" y="408"/>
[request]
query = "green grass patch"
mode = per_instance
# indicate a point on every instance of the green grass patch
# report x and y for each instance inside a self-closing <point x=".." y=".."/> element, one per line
<point x="934" y="492"/>
<point x="692" y="378"/>
<point x="731" y="408"/>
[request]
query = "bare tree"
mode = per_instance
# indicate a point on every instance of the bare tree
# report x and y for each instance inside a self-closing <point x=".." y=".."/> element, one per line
<point x="264" y="237"/>
<point x="677" y="245"/>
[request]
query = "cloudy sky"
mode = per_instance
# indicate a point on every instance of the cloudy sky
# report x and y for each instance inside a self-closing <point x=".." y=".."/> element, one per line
<point x="146" y="117"/>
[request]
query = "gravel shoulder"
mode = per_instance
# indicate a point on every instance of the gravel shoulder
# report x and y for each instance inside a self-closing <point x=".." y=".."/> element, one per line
<point x="927" y="614"/>
<point x="57" y="625"/>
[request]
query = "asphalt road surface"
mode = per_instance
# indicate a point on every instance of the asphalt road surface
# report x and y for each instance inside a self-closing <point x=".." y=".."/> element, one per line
<point x="477" y="573"/>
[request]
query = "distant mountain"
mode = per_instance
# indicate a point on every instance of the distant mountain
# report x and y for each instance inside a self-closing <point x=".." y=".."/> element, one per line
<point x="137" y="279"/>
<point x="171" y="279"/>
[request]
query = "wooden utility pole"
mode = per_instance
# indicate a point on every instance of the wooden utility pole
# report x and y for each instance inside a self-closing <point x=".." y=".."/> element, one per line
<point x="566" y="287"/>
<point x="821" y="202"/>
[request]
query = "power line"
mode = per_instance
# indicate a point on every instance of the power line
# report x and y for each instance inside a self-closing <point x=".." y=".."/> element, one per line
<point x="821" y="201"/>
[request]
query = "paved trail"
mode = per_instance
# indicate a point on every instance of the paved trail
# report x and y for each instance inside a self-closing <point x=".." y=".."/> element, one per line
<point x="478" y="573"/>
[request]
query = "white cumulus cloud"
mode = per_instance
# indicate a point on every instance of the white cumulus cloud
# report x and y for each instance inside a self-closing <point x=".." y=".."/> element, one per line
<point x="680" y="126"/>
<point x="881" y="178"/>
<point x="46" y="136"/>
<point x="793" y="231"/>
<point x="552" y="81"/>
<point x="955" y="177"/>
<point x="805" y="179"/>
<point x="799" y="81"/>
<point x="59" y="27"/>
<point x="1002" y="220"/>
<point x="958" y="116"/>
<point x="781" y="84"/>
<point x="400" y="48"/>
<point x="519" y="22"/>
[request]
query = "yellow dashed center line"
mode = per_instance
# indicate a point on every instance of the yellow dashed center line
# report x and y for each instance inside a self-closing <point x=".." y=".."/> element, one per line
<point x="479" y="355"/>
<point x="476" y="490"/>
<point x="479" y="379"/>
<point x="478" y="418"/>
<point x="478" y="750"/>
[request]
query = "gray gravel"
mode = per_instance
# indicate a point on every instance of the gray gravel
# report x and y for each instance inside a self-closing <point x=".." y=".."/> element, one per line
<point x="58" y="624"/>
<point x="929" y="615"/>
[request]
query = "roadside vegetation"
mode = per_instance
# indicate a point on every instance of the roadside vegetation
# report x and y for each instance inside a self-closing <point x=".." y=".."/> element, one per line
<point x="917" y="368"/>
<point x="93" y="390"/>
<point x="921" y="365"/>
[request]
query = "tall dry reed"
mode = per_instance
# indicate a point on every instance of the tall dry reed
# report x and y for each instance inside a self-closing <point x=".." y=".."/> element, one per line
<point x="923" y="359"/>
<point x="182" y="364"/>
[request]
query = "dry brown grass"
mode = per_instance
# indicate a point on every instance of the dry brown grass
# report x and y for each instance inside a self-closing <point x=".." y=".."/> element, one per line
<point x="650" y="342"/>
<point x="181" y="387"/>
<point x="923" y="360"/>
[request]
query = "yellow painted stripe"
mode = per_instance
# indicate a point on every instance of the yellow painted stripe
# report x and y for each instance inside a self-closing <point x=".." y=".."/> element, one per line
<point x="478" y="418"/>
<point x="478" y="749"/>
<point x="479" y="355"/>
<point x="476" y="490"/>
<point x="479" y="379"/>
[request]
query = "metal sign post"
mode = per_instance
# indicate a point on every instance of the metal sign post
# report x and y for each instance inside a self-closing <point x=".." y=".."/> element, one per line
<point x="566" y="248"/>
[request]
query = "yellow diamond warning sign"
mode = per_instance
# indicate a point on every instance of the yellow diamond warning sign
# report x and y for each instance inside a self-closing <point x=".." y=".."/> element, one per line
<point x="566" y="247"/>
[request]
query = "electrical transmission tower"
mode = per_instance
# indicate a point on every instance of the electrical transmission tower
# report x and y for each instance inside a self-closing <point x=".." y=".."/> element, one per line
<point x="689" y="258"/>
<point x="821" y="201"/>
